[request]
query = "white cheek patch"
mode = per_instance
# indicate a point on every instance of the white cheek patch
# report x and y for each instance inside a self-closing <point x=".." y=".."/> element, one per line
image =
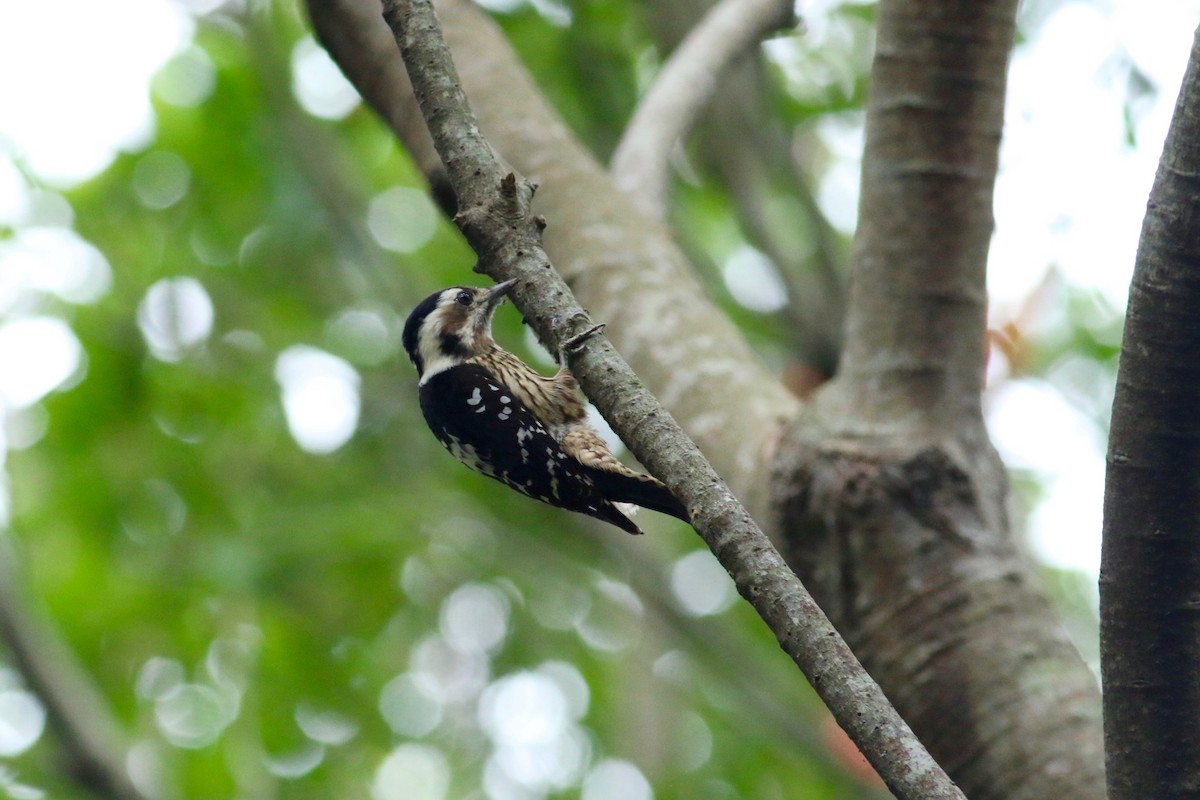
<point x="429" y="346"/>
<point x="472" y="326"/>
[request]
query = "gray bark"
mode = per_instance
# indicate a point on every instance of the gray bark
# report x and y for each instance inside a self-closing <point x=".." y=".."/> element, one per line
<point x="1150" y="564"/>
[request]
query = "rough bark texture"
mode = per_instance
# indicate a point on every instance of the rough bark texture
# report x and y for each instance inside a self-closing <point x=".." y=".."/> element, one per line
<point x="1150" y="568"/>
<point x="896" y="542"/>
<point x="891" y="496"/>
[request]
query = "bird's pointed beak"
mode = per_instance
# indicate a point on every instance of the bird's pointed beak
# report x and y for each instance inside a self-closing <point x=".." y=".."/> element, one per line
<point x="499" y="292"/>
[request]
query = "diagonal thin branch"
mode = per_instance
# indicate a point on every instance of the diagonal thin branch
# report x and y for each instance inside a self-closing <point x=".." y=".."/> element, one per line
<point x="641" y="162"/>
<point x="494" y="215"/>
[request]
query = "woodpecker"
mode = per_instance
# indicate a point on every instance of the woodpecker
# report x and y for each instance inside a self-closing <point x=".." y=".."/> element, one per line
<point x="504" y="419"/>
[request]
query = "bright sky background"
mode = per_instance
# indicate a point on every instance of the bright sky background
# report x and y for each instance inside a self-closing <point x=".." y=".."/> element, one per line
<point x="1070" y="198"/>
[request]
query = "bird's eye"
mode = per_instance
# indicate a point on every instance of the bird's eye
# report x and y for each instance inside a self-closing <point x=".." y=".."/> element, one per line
<point x="464" y="298"/>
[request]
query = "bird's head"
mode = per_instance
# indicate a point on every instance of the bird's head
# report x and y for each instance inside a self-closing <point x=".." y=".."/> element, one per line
<point x="451" y="326"/>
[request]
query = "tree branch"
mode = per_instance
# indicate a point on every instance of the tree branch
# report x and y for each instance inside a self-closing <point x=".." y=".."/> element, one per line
<point x="494" y="216"/>
<point x="916" y="322"/>
<point x="84" y="725"/>
<point x="1150" y="565"/>
<point x="893" y="499"/>
<point x="363" y="47"/>
<point x="684" y="86"/>
<point x="754" y="154"/>
<point x="625" y="267"/>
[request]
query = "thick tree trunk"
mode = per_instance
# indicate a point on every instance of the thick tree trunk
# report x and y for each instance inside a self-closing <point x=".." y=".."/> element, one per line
<point x="892" y="499"/>
<point x="1150" y="569"/>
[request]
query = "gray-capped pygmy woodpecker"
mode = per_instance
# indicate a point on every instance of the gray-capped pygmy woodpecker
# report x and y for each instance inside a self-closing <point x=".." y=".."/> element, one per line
<point x="501" y="417"/>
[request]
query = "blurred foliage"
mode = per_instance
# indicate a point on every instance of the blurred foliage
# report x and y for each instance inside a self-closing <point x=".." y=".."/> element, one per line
<point x="376" y="621"/>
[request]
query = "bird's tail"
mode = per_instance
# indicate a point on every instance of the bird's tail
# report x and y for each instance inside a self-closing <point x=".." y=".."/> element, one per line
<point x="641" y="490"/>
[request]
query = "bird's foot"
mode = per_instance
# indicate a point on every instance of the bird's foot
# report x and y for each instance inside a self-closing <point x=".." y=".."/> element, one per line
<point x="575" y="342"/>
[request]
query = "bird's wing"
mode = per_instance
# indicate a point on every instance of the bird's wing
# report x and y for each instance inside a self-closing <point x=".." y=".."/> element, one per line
<point x="616" y="480"/>
<point x="490" y="430"/>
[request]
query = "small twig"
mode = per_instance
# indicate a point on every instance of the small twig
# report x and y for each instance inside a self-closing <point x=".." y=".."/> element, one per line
<point x="494" y="215"/>
<point x="640" y="165"/>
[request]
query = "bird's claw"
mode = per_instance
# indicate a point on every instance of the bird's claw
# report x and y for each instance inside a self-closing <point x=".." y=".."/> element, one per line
<point x="575" y="342"/>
